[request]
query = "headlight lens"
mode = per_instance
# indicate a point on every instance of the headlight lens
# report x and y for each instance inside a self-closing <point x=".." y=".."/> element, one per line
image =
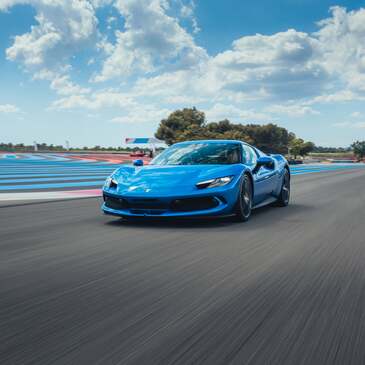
<point x="111" y="183"/>
<point x="213" y="183"/>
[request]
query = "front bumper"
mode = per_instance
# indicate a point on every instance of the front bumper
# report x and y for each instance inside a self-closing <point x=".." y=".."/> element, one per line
<point x="213" y="202"/>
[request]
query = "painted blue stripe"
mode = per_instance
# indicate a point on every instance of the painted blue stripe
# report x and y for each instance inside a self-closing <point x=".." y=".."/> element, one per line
<point x="54" y="169"/>
<point x="41" y="175"/>
<point x="76" y="178"/>
<point x="54" y="173"/>
<point x="54" y="162"/>
<point x="307" y="173"/>
<point x="98" y="183"/>
<point x="58" y="167"/>
<point x="315" y="171"/>
<point x="32" y="157"/>
<point x="327" y="167"/>
<point x="35" y="171"/>
<point x="6" y="169"/>
<point x="322" y="169"/>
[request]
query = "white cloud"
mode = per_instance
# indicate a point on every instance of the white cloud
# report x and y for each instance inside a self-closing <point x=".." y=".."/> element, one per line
<point x="292" y="110"/>
<point x="187" y="11"/>
<point x="9" y="108"/>
<point x="155" y="59"/>
<point x="342" y="46"/>
<point x="279" y="67"/>
<point x="64" y="86"/>
<point x="323" y="67"/>
<point x="357" y="125"/>
<point x="151" y="38"/>
<point x="61" y="83"/>
<point x="149" y="114"/>
<point x="224" y="111"/>
<point x="282" y="66"/>
<point x="101" y="3"/>
<point x="184" y="100"/>
<point x="285" y="66"/>
<point x="95" y="101"/>
<point x="338" y="96"/>
<point x="328" y="64"/>
<point x="356" y="115"/>
<point x="63" y="28"/>
<point x="192" y="83"/>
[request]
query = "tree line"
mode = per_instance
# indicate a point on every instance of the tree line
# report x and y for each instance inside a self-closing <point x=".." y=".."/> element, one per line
<point x="191" y="124"/>
<point x="21" y="147"/>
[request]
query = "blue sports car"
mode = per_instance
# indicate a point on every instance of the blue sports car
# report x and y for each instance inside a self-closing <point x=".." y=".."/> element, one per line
<point x="199" y="179"/>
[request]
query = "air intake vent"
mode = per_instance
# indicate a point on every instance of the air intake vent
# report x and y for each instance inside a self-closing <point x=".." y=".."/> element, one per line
<point x="191" y="204"/>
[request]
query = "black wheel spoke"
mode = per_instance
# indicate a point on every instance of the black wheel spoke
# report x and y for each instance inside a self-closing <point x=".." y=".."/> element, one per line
<point x="285" y="191"/>
<point x="244" y="201"/>
<point x="246" y="197"/>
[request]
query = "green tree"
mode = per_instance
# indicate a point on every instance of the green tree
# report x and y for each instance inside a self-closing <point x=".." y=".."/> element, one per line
<point x="178" y="122"/>
<point x="190" y="124"/>
<point x="270" y="138"/>
<point x="307" y="148"/>
<point x="298" y="147"/>
<point x="359" y="149"/>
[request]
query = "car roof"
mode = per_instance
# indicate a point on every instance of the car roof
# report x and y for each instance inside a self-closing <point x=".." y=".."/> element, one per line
<point x="227" y="141"/>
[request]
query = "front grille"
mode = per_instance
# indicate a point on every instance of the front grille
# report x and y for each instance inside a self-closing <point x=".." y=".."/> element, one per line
<point x="115" y="203"/>
<point x="146" y="203"/>
<point x="156" y="206"/>
<point x="191" y="204"/>
<point x="136" y="205"/>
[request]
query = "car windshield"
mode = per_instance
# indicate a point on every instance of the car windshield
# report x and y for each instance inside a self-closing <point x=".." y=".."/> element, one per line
<point x="200" y="154"/>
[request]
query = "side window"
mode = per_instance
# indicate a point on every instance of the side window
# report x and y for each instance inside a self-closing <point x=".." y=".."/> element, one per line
<point x="249" y="156"/>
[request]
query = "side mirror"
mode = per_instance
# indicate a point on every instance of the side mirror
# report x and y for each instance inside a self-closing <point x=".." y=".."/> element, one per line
<point x="264" y="161"/>
<point x="138" y="163"/>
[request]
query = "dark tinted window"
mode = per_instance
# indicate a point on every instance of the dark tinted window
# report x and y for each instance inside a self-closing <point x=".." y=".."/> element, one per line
<point x="200" y="154"/>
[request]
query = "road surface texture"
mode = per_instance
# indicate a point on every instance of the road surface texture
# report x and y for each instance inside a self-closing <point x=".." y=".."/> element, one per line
<point x="288" y="287"/>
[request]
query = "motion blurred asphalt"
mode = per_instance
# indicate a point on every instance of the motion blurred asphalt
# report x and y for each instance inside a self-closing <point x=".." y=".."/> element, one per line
<point x="288" y="287"/>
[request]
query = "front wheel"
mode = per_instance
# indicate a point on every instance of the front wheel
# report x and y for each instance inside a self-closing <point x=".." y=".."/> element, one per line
<point x="283" y="199"/>
<point x="244" y="201"/>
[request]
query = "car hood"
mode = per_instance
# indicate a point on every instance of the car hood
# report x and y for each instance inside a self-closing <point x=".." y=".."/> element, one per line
<point x="169" y="180"/>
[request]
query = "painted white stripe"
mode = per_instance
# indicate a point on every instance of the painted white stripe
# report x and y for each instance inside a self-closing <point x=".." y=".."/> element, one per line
<point x="47" y="195"/>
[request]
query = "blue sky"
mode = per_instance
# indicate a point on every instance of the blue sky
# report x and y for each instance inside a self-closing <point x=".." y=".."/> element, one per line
<point x="97" y="71"/>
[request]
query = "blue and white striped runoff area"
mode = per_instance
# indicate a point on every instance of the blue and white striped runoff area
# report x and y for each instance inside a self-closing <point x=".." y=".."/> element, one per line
<point x="55" y="172"/>
<point x="39" y="172"/>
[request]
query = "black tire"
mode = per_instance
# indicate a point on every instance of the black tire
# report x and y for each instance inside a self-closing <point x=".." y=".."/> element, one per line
<point x="284" y="197"/>
<point x="244" y="201"/>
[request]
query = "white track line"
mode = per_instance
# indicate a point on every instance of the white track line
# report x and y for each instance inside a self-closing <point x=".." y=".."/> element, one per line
<point x="46" y="195"/>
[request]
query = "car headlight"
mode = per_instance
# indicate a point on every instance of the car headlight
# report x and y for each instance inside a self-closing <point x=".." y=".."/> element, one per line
<point x="213" y="183"/>
<point x="111" y="183"/>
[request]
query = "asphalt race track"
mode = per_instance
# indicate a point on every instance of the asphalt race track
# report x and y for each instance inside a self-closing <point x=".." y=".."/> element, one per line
<point x="287" y="287"/>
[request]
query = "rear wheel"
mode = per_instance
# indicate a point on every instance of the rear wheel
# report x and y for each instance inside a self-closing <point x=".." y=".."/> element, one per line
<point x="244" y="201"/>
<point x="284" y="197"/>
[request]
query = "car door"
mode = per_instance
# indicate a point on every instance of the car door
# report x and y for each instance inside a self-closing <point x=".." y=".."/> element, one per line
<point x="264" y="178"/>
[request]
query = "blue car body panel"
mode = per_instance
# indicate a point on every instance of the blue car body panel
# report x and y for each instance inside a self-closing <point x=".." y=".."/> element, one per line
<point x="156" y="190"/>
